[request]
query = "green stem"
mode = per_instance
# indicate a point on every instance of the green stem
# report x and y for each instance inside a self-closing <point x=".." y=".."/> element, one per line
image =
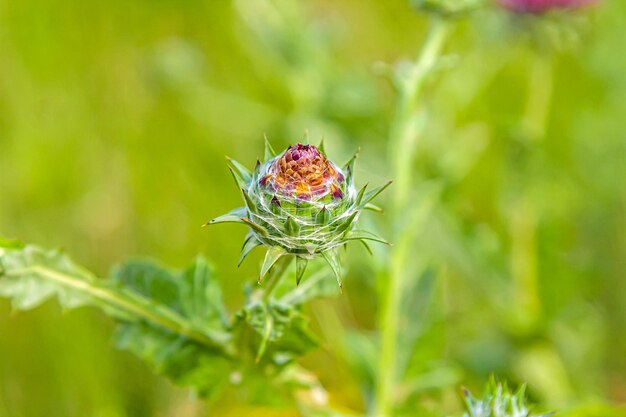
<point x="275" y="276"/>
<point x="539" y="100"/>
<point x="524" y="217"/>
<point x="403" y="140"/>
<point x="168" y="320"/>
<point x="406" y="123"/>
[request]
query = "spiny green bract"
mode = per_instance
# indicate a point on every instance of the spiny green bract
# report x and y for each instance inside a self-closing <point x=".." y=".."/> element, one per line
<point x="300" y="204"/>
<point x="498" y="401"/>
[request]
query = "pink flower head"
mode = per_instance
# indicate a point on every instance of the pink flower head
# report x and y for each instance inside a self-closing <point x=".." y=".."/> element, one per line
<point x="304" y="171"/>
<point x="542" y="6"/>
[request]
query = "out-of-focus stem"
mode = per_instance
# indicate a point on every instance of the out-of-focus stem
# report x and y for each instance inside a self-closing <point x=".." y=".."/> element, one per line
<point x="275" y="276"/>
<point x="540" y="88"/>
<point x="403" y="139"/>
<point x="524" y="217"/>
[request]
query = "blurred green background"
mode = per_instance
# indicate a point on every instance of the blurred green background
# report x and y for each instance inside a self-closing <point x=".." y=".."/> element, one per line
<point x="115" y="118"/>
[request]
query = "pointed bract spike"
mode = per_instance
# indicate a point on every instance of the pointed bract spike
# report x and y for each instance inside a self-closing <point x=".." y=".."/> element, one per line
<point x="346" y="225"/>
<point x="350" y="162"/>
<point x="256" y="227"/>
<point x="240" y="169"/>
<point x="372" y="194"/>
<point x="292" y="227"/>
<point x="271" y="256"/>
<point x="305" y="139"/>
<point x="301" y="264"/>
<point x="322" y="147"/>
<point x="233" y="216"/>
<point x="249" y="203"/>
<point x="241" y="183"/>
<point x="360" y="195"/>
<point x="323" y="217"/>
<point x="367" y="247"/>
<point x="332" y="258"/>
<point x="373" y="207"/>
<point x="364" y="235"/>
<point x="257" y="167"/>
<point x="269" y="151"/>
<point x="249" y="243"/>
<point x="348" y="167"/>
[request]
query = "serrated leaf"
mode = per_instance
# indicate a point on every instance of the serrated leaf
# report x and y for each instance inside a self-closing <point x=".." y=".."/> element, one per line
<point x="200" y="296"/>
<point x="176" y="322"/>
<point x="279" y="331"/>
<point x="185" y="362"/>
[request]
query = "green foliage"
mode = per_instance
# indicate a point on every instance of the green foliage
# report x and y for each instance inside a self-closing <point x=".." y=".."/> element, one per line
<point x="112" y="137"/>
<point x="499" y="401"/>
<point x="174" y="321"/>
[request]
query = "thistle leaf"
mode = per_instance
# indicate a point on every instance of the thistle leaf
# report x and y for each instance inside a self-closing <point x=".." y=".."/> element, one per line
<point x="372" y="194"/>
<point x="301" y="264"/>
<point x="233" y="216"/>
<point x="269" y="151"/>
<point x="249" y="243"/>
<point x="364" y="235"/>
<point x="272" y="255"/>
<point x="176" y="322"/>
<point x="332" y="258"/>
<point x="274" y="331"/>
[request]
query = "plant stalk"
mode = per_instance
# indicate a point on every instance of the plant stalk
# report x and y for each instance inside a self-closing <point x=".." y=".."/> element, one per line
<point x="403" y="140"/>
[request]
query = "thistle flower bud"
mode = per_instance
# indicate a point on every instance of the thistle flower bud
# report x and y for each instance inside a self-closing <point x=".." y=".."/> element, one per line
<point x="499" y="401"/>
<point x="300" y="203"/>
<point x="542" y="6"/>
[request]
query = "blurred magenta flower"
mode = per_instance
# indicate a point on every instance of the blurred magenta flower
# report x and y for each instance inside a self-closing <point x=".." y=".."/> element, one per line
<point x="541" y="6"/>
